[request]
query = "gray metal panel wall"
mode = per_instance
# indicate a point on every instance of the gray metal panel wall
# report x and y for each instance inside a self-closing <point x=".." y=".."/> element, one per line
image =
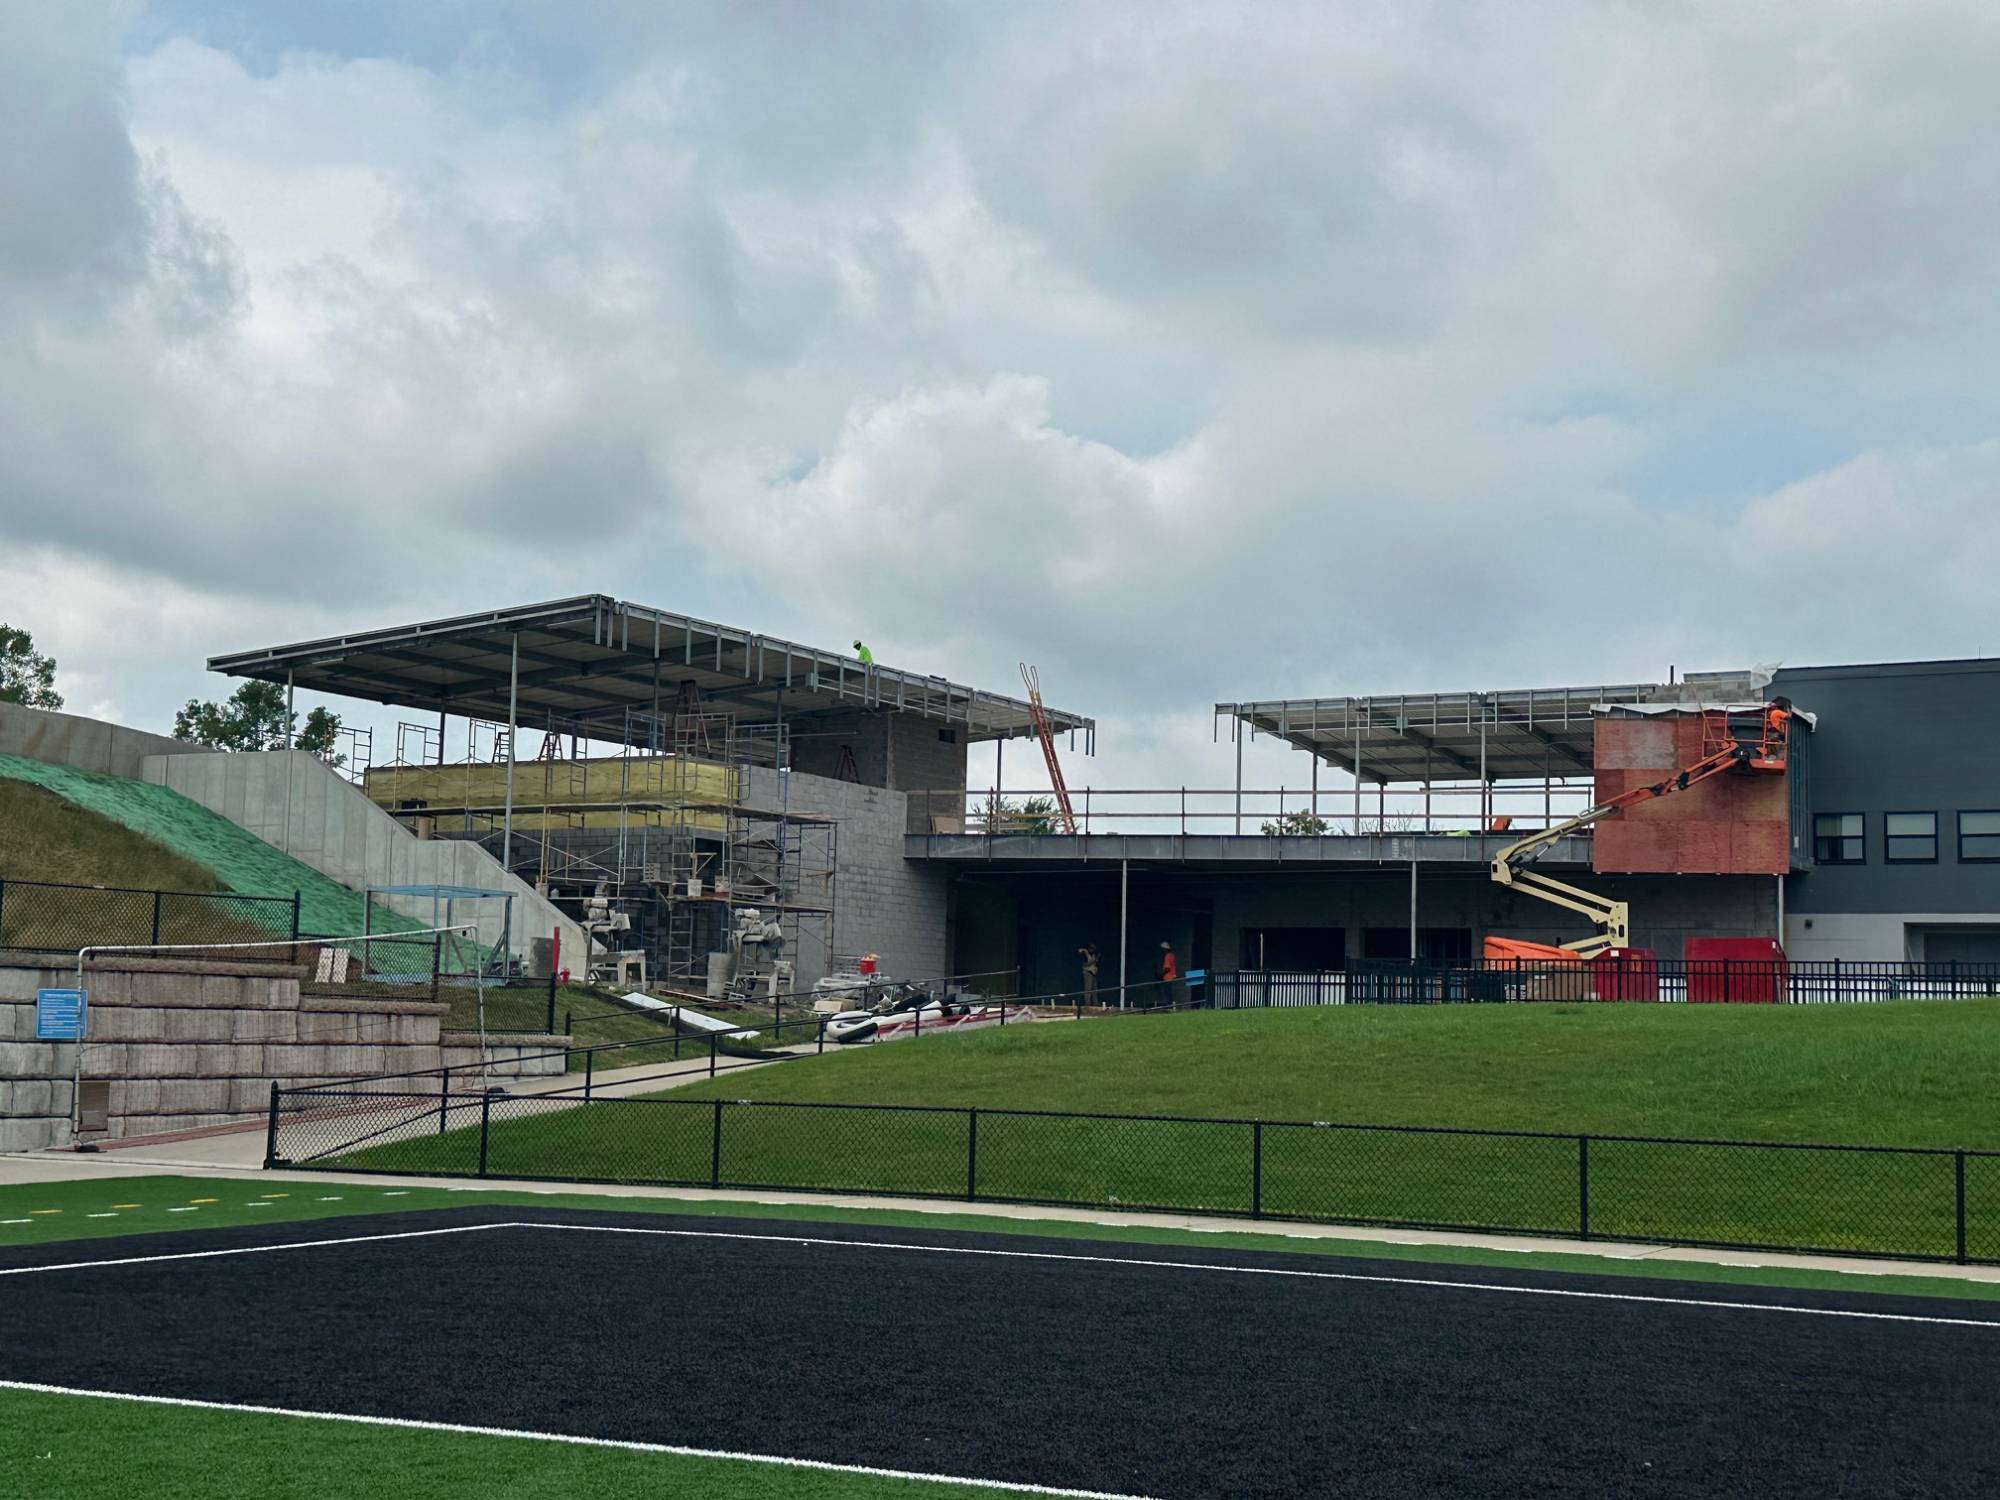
<point x="1900" y="737"/>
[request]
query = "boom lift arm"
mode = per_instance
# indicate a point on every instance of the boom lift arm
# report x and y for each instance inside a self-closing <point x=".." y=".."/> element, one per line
<point x="1755" y="744"/>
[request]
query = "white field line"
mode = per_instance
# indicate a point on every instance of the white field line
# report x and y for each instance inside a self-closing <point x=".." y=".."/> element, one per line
<point x="154" y="1260"/>
<point x="1072" y="1258"/>
<point x="672" y="1449"/>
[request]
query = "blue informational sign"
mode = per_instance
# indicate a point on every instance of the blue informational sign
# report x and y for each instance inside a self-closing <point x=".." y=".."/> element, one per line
<point x="59" y="1015"/>
<point x="1197" y="976"/>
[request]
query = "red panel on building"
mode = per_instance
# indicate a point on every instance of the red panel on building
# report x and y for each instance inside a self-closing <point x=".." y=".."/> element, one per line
<point x="1729" y="825"/>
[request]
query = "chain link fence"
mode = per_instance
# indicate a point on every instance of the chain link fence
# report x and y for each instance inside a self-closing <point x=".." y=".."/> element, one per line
<point x="55" y="918"/>
<point x="1857" y="1200"/>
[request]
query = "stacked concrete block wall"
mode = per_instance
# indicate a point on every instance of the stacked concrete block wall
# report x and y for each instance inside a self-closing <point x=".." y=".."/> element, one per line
<point x="293" y="802"/>
<point x="513" y="1056"/>
<point x="184" y="1044"/>
<point x="88" y="744"/>
<point x="885" y="904"/>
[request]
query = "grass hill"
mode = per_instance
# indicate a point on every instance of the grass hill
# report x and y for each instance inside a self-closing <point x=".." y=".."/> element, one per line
<point x="1915" y="1073"/>
<point x="44" y="837"/>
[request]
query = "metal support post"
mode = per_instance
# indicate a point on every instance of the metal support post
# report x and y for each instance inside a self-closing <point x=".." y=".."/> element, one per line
<point x="715" y="1150"/>
<point x="1239" y="778"/>
<point x="1413" y="910"/>
<point x="1583" y="1187"/>
<point x="1257" y="1170"/>
<point x="513" y="730"/>
<point x="1124" y="942"/>
<point x="271" y="1160"/>
<point x="971" y="1155"/>
<point x="485" y="1128"/>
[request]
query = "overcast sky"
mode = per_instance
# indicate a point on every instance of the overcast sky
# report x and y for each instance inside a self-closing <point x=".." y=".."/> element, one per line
<point x="1193" y="352"/>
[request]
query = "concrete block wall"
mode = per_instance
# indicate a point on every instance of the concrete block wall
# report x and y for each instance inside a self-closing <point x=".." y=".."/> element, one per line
<point x="884" y="903"/>
<point x="186" y="1045"/>
<point x="87" y="744"/>
<point x="893" y="750"/>
<point x="293" y="802"/>
<point x="515" y="1056"/>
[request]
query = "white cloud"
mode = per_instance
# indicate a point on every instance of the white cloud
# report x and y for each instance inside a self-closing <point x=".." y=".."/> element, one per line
<point x="1193" y="353"/>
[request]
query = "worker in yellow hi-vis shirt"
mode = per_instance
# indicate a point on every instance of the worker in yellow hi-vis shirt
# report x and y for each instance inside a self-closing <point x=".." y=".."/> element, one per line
<point x="867" y="657"/>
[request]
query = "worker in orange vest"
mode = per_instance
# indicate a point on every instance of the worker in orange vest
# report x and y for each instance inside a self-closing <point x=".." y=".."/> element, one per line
<point x="1169" y="972"/>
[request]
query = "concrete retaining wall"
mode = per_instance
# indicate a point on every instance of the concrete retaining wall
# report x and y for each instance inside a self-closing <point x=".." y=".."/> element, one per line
<point x="185" y="1045"/>
<point x="516" y="1056"/>
<point x="293" y="802"/>
<point x="87" y="744"/>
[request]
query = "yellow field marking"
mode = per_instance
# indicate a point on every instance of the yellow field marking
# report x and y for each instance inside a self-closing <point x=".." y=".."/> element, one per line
<point x="204" y="1200"/>
<point x="128" y="1205"/>
<point x="275" y="1195"/>
<point x="44" y="1210"/>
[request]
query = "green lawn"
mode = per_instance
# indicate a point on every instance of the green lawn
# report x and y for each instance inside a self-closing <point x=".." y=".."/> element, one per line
<point x="85" y="1448"/>
<point x="1919" y="1073"/>
<point x="1905" y="1073"/>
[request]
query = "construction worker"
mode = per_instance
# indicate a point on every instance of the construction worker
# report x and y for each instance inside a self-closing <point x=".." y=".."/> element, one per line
<point x="1168" y="973"/>
<point x="866" y="656"/>
<point x="1088" y="952"/>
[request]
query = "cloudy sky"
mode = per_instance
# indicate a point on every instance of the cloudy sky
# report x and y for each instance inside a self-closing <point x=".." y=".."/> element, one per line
<point x="1190" y="351"/>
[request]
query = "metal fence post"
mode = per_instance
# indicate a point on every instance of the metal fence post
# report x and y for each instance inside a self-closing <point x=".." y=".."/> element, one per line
<point x="1583" y="1187"/>
<point x="589" y="1068"/>
<point x="271" y="1159"/>
<point x="711" y="1054"/>
<point x="822" y="1036"/>
<point x="444" y="1096"/>
<point x="715" y="1150"/>
<point x="971" y="1155"/>
<point x="156" y="918"/>
<point x="485" y="1128"/>
<point x="1959" y="1175"/>
<point x="1257" y="1170"/>
<point x="295" y="926"/>
<point x="552" y="1001"/>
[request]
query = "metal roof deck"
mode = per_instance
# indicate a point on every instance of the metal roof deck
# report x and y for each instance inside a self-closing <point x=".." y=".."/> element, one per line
<point x="1504" y="735"/>
<point x="592" y="659"/>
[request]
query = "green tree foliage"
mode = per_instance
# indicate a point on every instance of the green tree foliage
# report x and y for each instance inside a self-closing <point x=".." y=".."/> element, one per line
<point x="254" y="718"/>
<point x="1298" y="823"/>
<point x="1021" y="815"/>
<point x="26" y="676"/>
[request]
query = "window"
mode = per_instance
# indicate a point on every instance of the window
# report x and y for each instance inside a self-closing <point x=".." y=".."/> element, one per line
<point x="1837" y="839"/>
<point x="1979" y="836"/>
<point x="1909" y="838"/>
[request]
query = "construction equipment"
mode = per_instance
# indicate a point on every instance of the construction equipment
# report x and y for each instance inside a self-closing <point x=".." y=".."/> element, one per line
<point x="1740" y="741"/>
<point x="1039" y="716"/>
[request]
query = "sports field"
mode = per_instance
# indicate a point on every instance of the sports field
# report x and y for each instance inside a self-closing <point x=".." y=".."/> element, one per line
<point x="556" y="1351"/>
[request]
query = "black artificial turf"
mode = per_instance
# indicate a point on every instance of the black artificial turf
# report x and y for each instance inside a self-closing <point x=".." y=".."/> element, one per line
<point x="1098" y="1372"/>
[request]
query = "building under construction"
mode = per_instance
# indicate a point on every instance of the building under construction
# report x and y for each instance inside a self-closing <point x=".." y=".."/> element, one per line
<point x="686" y="772"/>
<point x="659" y="777"/>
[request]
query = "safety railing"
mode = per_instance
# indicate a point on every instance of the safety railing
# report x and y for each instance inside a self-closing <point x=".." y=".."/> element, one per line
<point x="1293" y="812"/>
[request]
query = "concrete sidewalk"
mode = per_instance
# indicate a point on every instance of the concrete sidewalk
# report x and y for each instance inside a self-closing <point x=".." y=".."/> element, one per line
<point x="240" y="1154"/>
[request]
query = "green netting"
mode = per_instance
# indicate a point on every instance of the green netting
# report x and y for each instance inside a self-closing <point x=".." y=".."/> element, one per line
<point x="239" y="859"/>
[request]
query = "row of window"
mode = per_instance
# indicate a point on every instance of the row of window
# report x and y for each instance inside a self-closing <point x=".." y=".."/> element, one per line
<point x="1908" y="838"/>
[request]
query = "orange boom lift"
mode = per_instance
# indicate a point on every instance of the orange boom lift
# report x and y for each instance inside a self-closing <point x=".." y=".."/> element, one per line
<point x="1746" y="742"/>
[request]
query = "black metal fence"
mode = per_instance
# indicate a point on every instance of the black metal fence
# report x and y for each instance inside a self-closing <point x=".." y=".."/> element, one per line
<point x="1858" y="1200"/>
<point x="1717" y="981"/>
<point x="48" y="917"/>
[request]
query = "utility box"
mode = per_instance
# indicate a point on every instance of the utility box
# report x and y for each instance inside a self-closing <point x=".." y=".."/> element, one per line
<point x="1626" y="974"/>
<point x="1736" y="971"/>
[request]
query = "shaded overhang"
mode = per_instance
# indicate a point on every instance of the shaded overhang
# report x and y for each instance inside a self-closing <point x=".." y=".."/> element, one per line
<point x="592" y="660"/>
<point x="1517" y="734"/>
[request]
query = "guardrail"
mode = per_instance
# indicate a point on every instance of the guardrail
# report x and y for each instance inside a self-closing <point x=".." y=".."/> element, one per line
<point x="1291" y="811"/>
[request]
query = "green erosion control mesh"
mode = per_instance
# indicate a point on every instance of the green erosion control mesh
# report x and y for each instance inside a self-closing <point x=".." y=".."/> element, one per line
<point x="243" y="862"/>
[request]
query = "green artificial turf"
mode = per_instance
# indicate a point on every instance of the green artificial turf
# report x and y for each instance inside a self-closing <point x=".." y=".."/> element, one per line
<point x="1917" y="1073"/>
<point x="102" y="1208"/>
<point x="59" y="1447"/>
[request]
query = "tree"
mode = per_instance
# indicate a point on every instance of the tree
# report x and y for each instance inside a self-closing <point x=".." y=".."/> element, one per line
<point x="1299" y="823"/>
<point x="254" y="718"/>
<point x="1022" y="815"/>
<point x="26" y="676"/>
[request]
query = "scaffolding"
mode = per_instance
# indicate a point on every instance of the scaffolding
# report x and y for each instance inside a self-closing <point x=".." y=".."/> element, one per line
<point x="684" y="824"/>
